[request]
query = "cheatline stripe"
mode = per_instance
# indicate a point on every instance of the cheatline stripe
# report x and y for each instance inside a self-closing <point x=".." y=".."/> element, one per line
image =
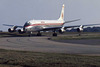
<point x="45" y="24"/>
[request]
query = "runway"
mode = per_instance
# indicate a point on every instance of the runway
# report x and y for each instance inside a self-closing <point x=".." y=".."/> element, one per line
<point x="42" y="44"/>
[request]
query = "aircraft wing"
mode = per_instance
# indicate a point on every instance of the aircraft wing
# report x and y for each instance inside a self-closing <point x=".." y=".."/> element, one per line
<point x="81" y="25"/>
<point x="13" y="25"/>
<point x="65" y="27"/>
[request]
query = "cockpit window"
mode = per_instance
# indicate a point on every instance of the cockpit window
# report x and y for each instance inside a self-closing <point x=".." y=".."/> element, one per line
<point x="27" y="24"/>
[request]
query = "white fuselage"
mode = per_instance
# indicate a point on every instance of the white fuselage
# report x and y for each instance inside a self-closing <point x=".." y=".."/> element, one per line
<point x="36" y="25"/>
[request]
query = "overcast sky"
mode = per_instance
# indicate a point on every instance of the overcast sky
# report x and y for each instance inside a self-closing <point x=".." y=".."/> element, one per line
<point x="17" y="12"/>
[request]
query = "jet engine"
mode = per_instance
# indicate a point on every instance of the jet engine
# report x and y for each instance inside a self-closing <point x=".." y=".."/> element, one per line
<point x="21" y="31"/>
<point x="80" y="29"/>
<point x="13" y="29"/>
<point x="10" y="30"/>
<point x="62" y="30"/>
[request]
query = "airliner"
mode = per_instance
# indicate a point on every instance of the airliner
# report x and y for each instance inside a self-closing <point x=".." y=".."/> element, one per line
<point x="46" y="25"/>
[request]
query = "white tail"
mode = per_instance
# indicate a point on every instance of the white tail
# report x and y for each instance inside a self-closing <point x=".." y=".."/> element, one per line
<point x="62" y="13"/>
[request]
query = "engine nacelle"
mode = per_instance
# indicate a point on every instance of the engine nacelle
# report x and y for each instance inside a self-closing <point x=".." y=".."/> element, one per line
<point x="80" y="29"/>
<point x="11" y="30"/>
<point x="21" y="31"/>
<point x="62" y="30"/>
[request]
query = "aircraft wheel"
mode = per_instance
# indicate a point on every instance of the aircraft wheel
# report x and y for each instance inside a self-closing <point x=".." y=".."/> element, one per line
<point x="54" y="34"/>
<point x="39" y="34"/>
<point x="30" y="34"/>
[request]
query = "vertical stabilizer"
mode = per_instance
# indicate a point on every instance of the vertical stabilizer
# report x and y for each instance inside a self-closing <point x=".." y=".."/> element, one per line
<point x="62" y="13"/>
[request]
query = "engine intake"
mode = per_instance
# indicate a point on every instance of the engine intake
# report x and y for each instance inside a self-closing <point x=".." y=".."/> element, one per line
<point x="62" y="30"/>
<point x="21" y="31"/>
<point x="80" y="29"/>
<point x="11" y="30"/>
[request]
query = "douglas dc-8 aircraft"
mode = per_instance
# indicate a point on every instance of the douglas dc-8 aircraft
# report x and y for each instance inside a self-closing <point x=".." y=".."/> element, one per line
<point x="45" y="25"/>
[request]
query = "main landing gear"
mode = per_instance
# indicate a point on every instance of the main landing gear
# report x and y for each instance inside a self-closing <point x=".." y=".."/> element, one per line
<point x="30" y="34"/>
<point x="54" y="34"/>
<point x="39" y="34"/>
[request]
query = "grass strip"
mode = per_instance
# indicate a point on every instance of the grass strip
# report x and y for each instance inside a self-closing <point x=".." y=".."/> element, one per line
<point x="76" y="37"/>
<point x="11" y="58"/>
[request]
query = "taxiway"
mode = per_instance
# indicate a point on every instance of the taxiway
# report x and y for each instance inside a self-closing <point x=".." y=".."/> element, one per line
<point x="42" y="44"/>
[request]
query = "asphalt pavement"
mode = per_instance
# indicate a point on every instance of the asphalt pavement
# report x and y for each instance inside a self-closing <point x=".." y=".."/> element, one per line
<point x="42" y="44"/>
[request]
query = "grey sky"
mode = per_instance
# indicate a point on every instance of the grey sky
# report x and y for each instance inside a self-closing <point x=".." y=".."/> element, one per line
<point x="17" y="12"/>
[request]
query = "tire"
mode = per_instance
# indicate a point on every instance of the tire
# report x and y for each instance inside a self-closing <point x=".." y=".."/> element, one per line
<point x="38" y="34"/>
<point x="54" y="34"/>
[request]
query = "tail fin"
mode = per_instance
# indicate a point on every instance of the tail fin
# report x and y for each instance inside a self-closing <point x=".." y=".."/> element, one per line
<point x="62" y="13"/>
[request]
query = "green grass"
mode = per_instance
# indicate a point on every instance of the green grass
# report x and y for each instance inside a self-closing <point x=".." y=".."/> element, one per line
<point x="9" y="58"/>
<point x="14" y="34"/>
